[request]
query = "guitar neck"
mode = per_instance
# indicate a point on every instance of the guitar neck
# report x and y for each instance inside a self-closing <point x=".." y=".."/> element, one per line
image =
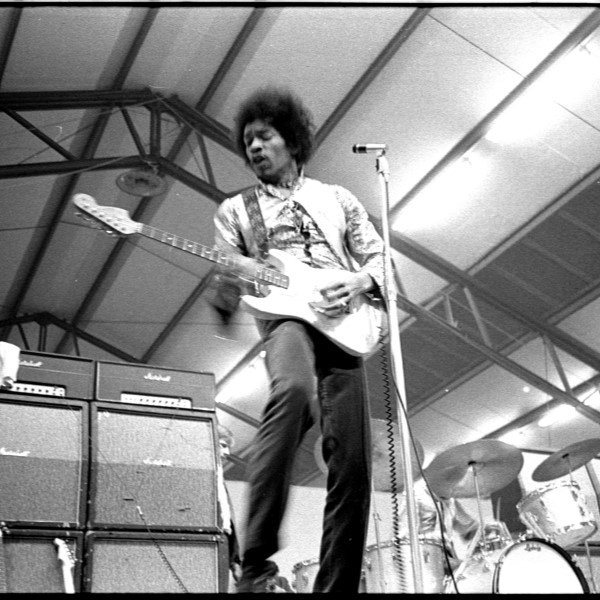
<point x="262" y="274"/>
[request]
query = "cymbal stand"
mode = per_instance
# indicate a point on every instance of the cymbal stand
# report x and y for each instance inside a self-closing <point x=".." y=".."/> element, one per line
<point x="596" y="485"/>
<point x="376" y="518"/>
<point x="382" y="168"/>
<point x="473" y="467"/>
<point x="479" y="538"/>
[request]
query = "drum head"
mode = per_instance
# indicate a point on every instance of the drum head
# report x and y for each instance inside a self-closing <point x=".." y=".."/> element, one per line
<point x="534" y="566"/>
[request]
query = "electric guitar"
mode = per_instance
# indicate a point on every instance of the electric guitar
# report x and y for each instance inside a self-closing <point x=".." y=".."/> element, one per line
<point x="285" y="287"/>
<point x="67" y="563"/>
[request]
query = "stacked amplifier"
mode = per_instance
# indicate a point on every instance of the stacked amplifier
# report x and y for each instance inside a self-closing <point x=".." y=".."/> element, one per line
<point x="108" y="479"/>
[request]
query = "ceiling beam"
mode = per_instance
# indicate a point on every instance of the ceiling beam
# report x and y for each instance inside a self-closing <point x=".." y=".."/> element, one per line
<point x="232" y="54"/>
<point x="193" y="182"/>
<point x="576" y="37"/>
<point x="452" y="274"/>
<point x="372" y="71"/>
<point x="179" y="315"/>
<point x="45" y="318"/>
<point x="70" y="167"/>
<point x="200" y="122"/>
<point x="75" y="99"/>
<point x="15" y="116"/>
<point x="134" y="48"/>
<point x="506" y="363"/>
<point x="9" y="38"/>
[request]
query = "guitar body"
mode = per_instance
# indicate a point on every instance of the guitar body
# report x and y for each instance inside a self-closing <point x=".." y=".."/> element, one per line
<point x="357" y="331"/>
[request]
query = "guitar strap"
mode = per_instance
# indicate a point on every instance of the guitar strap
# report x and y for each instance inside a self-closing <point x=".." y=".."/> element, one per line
<point x="257" y="221"/>
<point x="259" y="229"/>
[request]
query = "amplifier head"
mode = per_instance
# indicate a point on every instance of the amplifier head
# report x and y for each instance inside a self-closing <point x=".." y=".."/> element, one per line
<point x="44" y="374"/>
<point x="156" y="386"/>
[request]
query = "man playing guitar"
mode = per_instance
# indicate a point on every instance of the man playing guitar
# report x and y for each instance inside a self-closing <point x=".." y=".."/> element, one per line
<point x="312" y="378"/>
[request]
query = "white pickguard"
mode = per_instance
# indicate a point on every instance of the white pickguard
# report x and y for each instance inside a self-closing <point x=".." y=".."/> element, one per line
<point x="357" y="331"/>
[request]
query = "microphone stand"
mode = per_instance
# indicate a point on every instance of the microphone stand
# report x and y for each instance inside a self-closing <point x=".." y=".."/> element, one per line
<point x="382" y="168"/>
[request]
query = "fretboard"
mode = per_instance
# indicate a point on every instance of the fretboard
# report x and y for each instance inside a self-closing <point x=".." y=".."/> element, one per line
<point x="262" y="274"/>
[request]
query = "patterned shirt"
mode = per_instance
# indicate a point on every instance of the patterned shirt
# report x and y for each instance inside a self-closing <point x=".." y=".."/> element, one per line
<point x="291" y="228"/>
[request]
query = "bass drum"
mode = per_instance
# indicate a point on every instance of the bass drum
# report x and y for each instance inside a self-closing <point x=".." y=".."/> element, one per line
<point x="305" y="573"/>
<point x="531" y="566"/>
<point x="388" y="569"/>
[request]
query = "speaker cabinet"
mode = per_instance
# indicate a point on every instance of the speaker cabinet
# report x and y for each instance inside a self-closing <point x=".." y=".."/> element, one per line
<point x="128" y="562"/>
<point x="43" y="461"/>
<point x="152" y="468"/>
<point x="42" y="561"/>
<point x="154" y="386"/>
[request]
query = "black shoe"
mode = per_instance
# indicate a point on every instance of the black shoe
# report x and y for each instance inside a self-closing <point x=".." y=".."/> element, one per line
<point x="257" y="580"/>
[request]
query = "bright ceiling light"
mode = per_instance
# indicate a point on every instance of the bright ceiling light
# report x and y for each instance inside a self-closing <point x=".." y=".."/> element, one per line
<point x="523" y="119"/>
<point x="571" y="76"/>
<point x="531" y="113"/>
<point x="440" y="199"/>
<point x="563" y="412"/>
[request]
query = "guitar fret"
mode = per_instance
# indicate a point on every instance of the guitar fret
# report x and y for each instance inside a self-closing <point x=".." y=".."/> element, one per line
<point x="263" y="274"/>
<point x="272" y="277"/>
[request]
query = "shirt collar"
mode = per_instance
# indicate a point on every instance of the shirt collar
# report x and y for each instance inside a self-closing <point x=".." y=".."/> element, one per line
<point x="274" y="190"/>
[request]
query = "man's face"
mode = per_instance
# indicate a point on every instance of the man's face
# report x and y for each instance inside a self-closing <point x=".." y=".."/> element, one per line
<point x="267" y="153"/>
<point x="224" y="448"/>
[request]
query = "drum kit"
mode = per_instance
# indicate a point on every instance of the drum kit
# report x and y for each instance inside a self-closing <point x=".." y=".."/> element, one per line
<point x="539" y="561"/>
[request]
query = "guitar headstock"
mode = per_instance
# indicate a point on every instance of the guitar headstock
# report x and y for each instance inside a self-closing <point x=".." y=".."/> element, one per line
<point x="64" y="552"/>
<point x="112" y="220"/>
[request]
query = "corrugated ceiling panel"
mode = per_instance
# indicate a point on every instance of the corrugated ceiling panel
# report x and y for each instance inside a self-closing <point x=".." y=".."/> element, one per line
<point x="38" y="61"/>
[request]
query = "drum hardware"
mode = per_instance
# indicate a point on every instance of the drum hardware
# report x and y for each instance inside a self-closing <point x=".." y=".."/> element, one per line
<point x="376" y="519"/>
<point x="495" y="537"/>
<point x="590" y="568"/>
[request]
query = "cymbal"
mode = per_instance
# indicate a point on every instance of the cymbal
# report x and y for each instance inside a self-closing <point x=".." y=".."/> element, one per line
<point x="564" y="461"/>
<point x="496" y="464"/>
<point x="380" y="456"/>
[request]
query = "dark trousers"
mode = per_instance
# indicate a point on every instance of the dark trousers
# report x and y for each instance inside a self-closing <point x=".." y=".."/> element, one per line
<point x="311" y="378"/>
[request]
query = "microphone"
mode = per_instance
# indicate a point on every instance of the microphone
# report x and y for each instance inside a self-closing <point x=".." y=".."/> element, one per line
<point x="364" y="148"/>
